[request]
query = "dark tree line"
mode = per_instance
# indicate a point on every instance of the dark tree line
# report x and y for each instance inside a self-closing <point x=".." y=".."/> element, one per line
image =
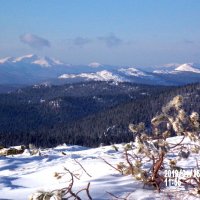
<point x="94" y="113"/>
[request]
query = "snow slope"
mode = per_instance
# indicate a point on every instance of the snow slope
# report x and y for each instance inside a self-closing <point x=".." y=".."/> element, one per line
<point x="25" y="57"/>
<point x="6" y="59"/>
<point x="103" y="75"/>
<point x="175" y="68"/>
<point x="188" y="67"/>
<point x="22" y="175"/>
<point x="132" y="72"/>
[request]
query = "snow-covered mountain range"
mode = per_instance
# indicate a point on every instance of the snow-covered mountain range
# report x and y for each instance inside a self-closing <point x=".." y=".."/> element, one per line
<point x="30" y="69"/>
<point x="31" y="59"/>
<point x="173" y="75"/>
<point x="186" y="67"/>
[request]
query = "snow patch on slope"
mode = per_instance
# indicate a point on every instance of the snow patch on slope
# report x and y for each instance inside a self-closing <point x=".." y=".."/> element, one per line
<point x="57" y="62"/>
<point x="42" y="62"/>
<point x="29" y="56"/>
<point x="47" y="62"/>
<point x="132" y="72"/>
<point x="165" y="72"/>
<point x="94" y="64"/>
<point x="4" y="60"/>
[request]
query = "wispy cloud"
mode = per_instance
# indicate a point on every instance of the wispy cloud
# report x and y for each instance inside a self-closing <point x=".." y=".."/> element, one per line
<point x="81" y="41"/>
<point x="34" y="41"/>
<point x="111" y="40"/>
<point x="186" y="41"/>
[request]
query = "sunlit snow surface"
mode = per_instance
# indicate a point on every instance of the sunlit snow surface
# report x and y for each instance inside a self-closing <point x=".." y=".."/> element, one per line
<point x="22" y="175"/>
<point x="103" y="75"/>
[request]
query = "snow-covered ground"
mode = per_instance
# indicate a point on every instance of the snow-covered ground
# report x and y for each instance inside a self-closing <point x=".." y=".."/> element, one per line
<point x="22" y="175"/>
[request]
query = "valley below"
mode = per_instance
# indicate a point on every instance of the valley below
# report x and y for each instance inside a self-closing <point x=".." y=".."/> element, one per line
<point x="87" y="114"/>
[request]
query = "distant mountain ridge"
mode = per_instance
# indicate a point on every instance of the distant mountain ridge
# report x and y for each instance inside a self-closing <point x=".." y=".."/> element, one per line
<point x="179" y="75"/>
<point x="31" y="59"/>
<point x="32" y="69"/>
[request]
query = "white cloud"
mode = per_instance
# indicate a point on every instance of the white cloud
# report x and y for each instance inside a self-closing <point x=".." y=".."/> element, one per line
<point x="81" y="41"/>
<point x="111" y="40"/>
<point x="34" y="41"/>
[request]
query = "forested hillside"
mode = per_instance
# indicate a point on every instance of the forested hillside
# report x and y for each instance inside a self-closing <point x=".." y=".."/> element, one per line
<point x="85" y="113"/>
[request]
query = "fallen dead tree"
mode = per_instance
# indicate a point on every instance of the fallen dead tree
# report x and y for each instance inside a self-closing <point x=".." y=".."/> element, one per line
<point x="12" y="150"/>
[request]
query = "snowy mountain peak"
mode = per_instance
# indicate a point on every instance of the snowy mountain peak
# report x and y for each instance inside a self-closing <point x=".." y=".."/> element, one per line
<point x="46" y="62"/>
<point x="6" y="59"/>
<point x="26" y="57"/>
<point x="107" y="76"/>
<point x="32" y="59"/>
<point x="132" y="72"/>
<point x="187" y="67"/>
<point x="94" y="64"/>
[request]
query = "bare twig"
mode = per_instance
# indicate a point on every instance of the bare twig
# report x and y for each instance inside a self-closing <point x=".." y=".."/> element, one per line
<point x="175" y="145"/>
<point x="69" y="189"/>
<point x="197" y="163"/>
<point x="119" y="198"/>
<point x="72" y="175"/>
<point x="82" y="167"/>
<point x="128" y="161"/>
<point x="88" y="192"/>
<point x="188" y="183"/>
<point x="111" y="165"/>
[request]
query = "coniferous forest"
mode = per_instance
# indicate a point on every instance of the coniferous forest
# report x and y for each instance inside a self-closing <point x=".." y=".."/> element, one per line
<point x="88" y="114"/>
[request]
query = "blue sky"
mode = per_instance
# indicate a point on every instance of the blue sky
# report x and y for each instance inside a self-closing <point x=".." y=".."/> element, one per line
<point x="116" y="32"/>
